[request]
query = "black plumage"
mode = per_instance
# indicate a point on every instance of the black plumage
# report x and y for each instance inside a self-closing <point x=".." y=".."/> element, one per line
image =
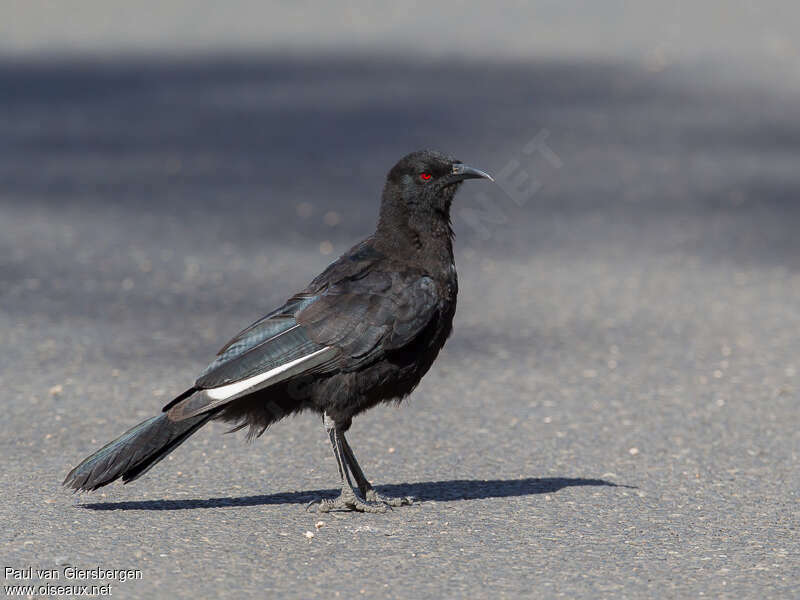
<point x="364" y="331"/>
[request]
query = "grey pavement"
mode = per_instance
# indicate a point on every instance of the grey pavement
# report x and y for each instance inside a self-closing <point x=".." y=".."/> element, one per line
<point x="616" y="414"/>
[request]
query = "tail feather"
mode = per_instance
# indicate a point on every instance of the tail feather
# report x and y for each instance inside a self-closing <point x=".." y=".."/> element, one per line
<point x="134" y="452"/>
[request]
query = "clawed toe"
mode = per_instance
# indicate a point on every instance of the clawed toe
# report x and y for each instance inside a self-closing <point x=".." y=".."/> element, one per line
<point x="349" y="502"/>
<point x="373" y="496"/>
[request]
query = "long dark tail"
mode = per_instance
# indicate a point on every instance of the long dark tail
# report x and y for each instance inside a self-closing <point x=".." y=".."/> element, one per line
<point x="134" y="452"/>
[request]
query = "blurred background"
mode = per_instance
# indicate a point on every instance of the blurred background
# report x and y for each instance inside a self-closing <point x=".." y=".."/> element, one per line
<point x="629" y="308"/>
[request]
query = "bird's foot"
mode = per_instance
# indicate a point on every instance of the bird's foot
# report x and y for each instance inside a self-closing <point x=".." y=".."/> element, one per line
<point x="349" y="500"/>
<point x="372" y="496"/>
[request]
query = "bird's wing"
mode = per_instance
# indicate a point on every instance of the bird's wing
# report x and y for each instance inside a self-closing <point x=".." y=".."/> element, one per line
<point x="351" y="317"/>
<point x="278" y="338"/>
<point x="272" y="349"/>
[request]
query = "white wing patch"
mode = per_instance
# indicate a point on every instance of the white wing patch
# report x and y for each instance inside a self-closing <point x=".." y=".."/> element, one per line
<point x="256" y="382"/>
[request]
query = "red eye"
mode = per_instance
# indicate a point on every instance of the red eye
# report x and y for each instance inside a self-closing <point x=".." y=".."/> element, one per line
<point x="425" y="176"/>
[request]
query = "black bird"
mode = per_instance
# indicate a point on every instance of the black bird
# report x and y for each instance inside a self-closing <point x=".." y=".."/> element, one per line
<point x="364" y="331"/>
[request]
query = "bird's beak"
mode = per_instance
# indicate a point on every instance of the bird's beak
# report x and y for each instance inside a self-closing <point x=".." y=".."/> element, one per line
<point x="462" y="172"/>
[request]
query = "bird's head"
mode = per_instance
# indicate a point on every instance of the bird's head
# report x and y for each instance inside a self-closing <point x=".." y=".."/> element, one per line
<point x="423" y="184"/>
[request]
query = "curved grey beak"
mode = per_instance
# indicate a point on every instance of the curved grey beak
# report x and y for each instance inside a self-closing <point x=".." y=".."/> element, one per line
<point x="462" y="172"/>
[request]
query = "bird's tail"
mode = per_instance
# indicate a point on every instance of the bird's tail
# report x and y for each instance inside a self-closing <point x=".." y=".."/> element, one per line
<point x="134" y="452"/>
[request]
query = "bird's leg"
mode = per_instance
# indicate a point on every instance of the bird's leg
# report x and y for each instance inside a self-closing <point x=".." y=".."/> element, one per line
<point x="364" y="486"/>
<point x="350" y="498"/>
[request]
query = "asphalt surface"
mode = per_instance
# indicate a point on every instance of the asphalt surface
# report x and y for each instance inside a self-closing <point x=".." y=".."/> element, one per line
<point x="621" y="421"/>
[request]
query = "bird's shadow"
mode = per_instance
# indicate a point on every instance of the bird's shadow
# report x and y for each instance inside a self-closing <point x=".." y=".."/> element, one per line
<point x="439" y="491"/>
